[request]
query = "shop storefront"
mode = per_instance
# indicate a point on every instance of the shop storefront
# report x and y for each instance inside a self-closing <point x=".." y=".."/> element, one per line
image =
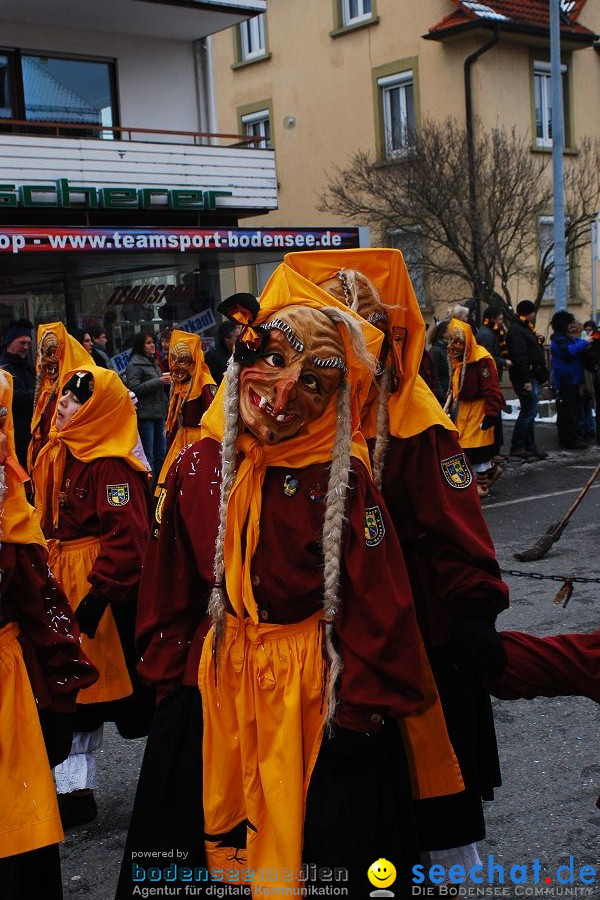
<point x="129" y="278"/>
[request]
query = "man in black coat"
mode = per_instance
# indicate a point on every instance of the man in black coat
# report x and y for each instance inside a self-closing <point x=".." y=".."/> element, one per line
<point x="527" y="373"/>
<point x="16" y="360"/>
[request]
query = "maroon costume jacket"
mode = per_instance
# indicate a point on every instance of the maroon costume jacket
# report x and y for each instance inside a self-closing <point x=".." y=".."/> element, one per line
<point x="192" y="411"/>
<point x="444" y="537"/>
<point x="375" y="628"/>
<point x="86" y="511"/>
<point x="49" y="635"/>
<point x="481" y="381"/>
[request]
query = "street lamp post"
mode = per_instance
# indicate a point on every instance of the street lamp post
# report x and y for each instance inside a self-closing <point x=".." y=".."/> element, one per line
<point x="558" y="140"/>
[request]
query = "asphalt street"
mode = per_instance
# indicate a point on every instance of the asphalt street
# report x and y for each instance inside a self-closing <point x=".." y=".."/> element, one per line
<point x="549" y="748"/>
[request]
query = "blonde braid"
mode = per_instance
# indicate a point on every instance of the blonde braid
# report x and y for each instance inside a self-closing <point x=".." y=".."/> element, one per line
<point x="382" y="438"/>
<point x="333" y="526"/>
<point x="216" y="603"/>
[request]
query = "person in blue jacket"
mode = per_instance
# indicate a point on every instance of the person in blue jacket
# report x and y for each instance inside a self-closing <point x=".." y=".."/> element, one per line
<point x="567" y="378"/>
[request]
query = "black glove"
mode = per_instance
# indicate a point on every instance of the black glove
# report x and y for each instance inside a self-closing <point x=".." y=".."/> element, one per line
<point x="476" y="641"/>
<point x="57" y="729"/>
<point x="488" y="422"/>
<point x="89" y="612"/>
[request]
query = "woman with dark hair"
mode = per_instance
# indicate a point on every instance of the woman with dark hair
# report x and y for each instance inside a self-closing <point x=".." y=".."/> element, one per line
<point x="567" y="378"/>
<point x="84" y="339"/>
<point x="145" y="379"/>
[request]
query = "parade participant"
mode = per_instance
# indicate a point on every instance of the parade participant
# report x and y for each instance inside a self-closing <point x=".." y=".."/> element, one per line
<point x="562" y="665"/>
<point x="474" y="402"/>
<point x="429" y="490"/>
<point x="57" y="352"/>
<point x="307" y="582"/>
<point x="93" y="498"/>
<point x="192" y="391"/>
<point x="42" y="667"/>
<point x="16" y="360"/>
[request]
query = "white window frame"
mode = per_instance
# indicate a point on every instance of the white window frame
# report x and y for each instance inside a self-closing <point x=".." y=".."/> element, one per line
<point x="387" y="85"/>
<point x="542" y="72"/>
<point x="364" y="12"/>
<point x="258" y="124"/>
<point x="252" y="37"/>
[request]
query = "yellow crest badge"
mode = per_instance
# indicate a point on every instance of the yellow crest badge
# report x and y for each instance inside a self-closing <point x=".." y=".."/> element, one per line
<point x="374" y="526"/>
<point x="117" y="494"/>
<point x="456" y="471"/>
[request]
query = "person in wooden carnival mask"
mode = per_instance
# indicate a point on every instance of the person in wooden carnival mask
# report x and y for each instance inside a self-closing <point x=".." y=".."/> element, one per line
<point x="474" y="400"/>
<point x="298" y="629"/>
<point x="429" y="489"/>
<point x="192" y="391"/>
<point x="57" y="352"/>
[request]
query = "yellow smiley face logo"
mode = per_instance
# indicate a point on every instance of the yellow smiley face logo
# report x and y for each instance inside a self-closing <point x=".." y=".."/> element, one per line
<point x="382" y="873"/>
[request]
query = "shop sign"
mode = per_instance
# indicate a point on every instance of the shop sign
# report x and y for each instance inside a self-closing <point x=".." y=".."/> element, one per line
<point x="177" y="240"/>
<point x="64" y="195"/>
<point x="147" y="294"/>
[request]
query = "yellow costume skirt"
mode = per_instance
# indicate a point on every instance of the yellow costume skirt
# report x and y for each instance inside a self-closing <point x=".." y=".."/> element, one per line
<point x="263" y="723"/>
<point x="71" y="562"/>
<point x="29" y="817"/>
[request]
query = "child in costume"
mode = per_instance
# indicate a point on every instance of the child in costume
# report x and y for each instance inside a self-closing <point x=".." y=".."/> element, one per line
<point x="42" y="667"/>
<point x="428" y="487"/>
<point x="93" y="498"/>
<point x="309" y="656"/>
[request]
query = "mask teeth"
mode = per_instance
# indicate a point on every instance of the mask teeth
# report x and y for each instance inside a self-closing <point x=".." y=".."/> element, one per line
<point x="263" y="403"/>
<point x="281" y="418"/>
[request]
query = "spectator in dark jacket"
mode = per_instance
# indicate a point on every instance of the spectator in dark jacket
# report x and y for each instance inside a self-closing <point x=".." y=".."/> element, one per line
<point x="567" y="378"/>
<point x="527" y="373"/>
<point x="16" y="360"/>
<point x="100" y="340"/>
<point x="491" y="334"/>
<point x="145" y="379"/>
<point x="438" y="348"/>
<point x="217" y="359"/>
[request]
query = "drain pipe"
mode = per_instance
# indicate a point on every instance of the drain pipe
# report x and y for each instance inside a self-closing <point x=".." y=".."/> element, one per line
<point x="471" y="159"/>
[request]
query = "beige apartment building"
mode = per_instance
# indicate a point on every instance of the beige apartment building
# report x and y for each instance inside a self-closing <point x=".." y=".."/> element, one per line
<point x="319" y="80"/>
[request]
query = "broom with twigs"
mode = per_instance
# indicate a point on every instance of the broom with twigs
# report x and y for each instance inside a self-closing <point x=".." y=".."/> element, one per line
<point x="555" y="531"/>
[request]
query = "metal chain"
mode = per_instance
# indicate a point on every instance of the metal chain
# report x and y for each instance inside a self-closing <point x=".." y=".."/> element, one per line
<point x="576" y="579"/>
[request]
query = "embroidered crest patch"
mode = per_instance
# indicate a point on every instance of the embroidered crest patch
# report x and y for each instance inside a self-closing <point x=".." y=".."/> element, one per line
<point x="485" y="372"/>
<point x="374" y="526"/>
<point x="456" y="471"/>
<point x="117" y="494"/>
<point x="159" y="505"/>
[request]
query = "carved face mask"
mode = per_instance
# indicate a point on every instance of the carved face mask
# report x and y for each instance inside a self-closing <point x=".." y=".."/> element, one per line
<point x="294" y="378"/>
<point x="354" y="290"/>
<point x="181" y="363"/>
<point x="49" y="347"/>
<point x="456" y="344"/>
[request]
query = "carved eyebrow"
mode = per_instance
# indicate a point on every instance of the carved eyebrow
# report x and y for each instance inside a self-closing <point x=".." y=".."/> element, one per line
<point x="287" y="331"/>
<point x="332" y="362"/>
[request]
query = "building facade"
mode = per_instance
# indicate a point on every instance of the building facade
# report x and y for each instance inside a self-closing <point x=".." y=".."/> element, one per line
<point x="118" y="198"/>
<point x="322" y="79"/>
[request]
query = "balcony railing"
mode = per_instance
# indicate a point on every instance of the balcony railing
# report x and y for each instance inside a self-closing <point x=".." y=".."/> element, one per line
<point x="126" y="133"/>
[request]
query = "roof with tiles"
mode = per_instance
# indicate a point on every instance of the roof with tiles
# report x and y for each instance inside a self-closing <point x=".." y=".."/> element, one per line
<point x="527" y="16"/>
